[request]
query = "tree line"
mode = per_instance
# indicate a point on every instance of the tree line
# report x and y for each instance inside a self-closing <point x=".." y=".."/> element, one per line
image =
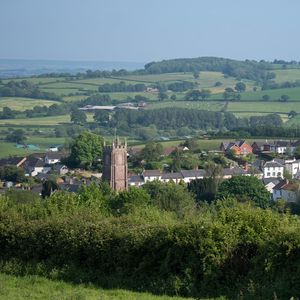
<point x="26" y="89"/>
<point x="173" y="118"/>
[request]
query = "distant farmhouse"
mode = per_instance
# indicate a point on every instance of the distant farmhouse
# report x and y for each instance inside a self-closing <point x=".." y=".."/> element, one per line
<point x="240" y="148"/>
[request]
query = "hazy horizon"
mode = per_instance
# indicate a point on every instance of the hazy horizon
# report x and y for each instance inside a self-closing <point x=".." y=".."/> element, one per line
<point x="143" y="31"/>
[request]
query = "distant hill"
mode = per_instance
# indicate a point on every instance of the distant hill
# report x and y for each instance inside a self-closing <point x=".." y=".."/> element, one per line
<point x="249" y="69"/>
<point x="10" y="68"/>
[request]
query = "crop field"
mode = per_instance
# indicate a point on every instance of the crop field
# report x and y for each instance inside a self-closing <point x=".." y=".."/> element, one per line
<point x="21" y="104"/>
<point x="40" y="288"/>
<point x="202" y="105"/>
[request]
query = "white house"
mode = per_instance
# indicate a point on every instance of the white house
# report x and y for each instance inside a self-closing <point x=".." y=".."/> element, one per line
<point x="273" y="169"/>
<point x="52" y="158"/>
<point x="36" y="166"/>
<point x="151" y="175"/>
<point x="293" y="167"/>
<point x="189" y="175"/>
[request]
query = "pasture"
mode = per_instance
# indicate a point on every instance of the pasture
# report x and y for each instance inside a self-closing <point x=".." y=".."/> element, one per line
<point x="21" y="104"/>
<point x="287" y="75"/>
<point x="43" y="121"/>
<point x="202" y="105"/>
<point x="293" y="93"/>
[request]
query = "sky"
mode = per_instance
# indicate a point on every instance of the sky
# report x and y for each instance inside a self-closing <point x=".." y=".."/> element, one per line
<point x="149" y="30"/>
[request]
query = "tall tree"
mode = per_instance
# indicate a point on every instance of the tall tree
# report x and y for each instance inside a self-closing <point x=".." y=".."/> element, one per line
<point x="240" y="87"/>
<point x="245" y="188"/>
<point x="86" y="150"/>
<point x="78" y="116"/>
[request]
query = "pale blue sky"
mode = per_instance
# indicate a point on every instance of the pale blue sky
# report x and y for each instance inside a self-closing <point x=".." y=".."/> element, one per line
<point x="144" y="30"/>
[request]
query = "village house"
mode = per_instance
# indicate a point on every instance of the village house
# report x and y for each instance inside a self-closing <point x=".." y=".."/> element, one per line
<point x="286" y="191"/>
<point x="35" y="165"/>
<point x="270" y="183"/>
<point x="151" y="175"/>
<point x="278" y="147"/>
<point x="185" y="176"/>
<point x="17" y="161"/>
<point x="273" y="169"/>
<point x="52" y="158"/>
<point x="240" y="148"/>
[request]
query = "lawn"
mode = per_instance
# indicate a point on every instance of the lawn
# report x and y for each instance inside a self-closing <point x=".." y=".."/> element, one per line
<point x="21" y="104"/>
<point x="39" y="288"/>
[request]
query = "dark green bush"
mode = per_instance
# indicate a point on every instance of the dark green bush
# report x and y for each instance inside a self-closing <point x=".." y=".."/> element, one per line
<point x="227" y="248"/>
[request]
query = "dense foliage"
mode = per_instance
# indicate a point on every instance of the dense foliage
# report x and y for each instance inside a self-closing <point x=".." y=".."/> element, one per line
<point x="25" y="88"/>
<point x="121" y="87"/>
<point x="86" y="150"/>
<point x="138" y="240"/>
<point x="241" y="69"/>
<point x="174" y="118"/>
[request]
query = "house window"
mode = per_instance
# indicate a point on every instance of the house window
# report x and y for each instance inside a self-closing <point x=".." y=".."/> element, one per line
<point x="268" y="174"/>
<point x="273" y="174"/>
<point x="279" y="174"/>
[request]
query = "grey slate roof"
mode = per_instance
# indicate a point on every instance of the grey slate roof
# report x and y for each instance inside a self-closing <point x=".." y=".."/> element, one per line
<point x="176" y="175"/>
<point x="274" y="180"/>
<point x="193" y="173"/>
<point x="272" y="164"/>
<point x="151" y="173"/>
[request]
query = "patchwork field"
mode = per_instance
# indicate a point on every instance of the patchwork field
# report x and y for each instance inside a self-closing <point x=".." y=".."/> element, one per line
<point x="21" y="104"/>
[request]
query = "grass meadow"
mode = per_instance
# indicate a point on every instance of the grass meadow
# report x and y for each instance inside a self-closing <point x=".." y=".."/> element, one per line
<point x="21" y="104"/>
<point x="287" y="75"/>
<point x="39" y="288"/>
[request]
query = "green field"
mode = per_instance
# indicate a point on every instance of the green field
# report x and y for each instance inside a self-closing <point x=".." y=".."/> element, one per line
<point x="287" y="75"/>
<point x="205" y="105"/>
<point x="293" y="93"/>
<point x="53" y="120"/>
<point x="40" y="288"/>
<point x="21" y="104"/>
<point x="44" y="121"/>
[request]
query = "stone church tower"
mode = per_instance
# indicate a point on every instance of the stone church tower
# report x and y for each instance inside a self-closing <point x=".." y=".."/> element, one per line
<point x="115" y="169"/>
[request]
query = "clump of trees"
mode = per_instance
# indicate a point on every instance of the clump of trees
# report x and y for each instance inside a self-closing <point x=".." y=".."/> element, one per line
<point x="121" y="87"/>
<point x="25" y="88"/>
<point x="86" y="151"/>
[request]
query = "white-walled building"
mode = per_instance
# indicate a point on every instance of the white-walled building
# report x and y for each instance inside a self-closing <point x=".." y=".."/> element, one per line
<point x="273" y="169"/>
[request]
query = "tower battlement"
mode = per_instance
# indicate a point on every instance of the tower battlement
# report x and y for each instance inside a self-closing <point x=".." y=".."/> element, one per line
<point x="115" y="167"/>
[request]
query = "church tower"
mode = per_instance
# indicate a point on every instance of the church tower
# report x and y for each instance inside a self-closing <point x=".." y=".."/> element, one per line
<point x="115" y="167"/>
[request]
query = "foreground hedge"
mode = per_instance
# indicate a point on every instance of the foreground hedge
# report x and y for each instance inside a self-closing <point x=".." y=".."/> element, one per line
<point x="226" y="250"/>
